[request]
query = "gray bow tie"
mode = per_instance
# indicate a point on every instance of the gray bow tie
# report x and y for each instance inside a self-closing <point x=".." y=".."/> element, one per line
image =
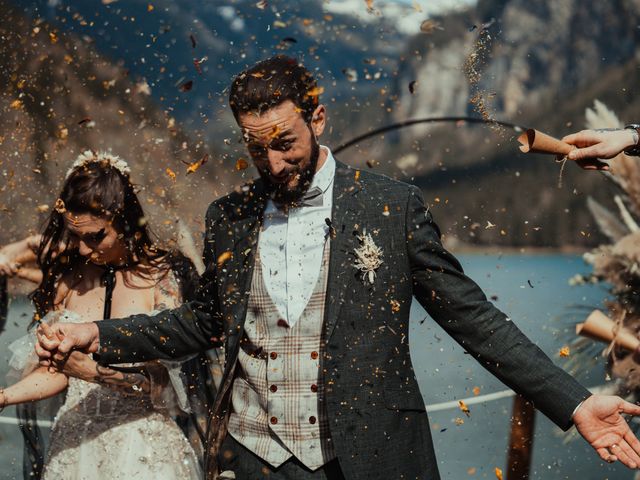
<point x="311" y="198"/>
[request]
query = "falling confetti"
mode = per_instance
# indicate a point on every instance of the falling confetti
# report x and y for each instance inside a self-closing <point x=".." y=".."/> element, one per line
<point x="498" y="472"/>
<point x="171" y="174"/>
<point x="224" y="258"/>
<point x="186" y="86"/>
<point x="564" y="351"/>
<point x="194" y="166"/>
<point x="241" y="164"/>
<point x="464" y="408"/>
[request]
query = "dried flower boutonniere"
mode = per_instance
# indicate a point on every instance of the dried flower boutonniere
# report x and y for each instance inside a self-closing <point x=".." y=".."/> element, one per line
<point x="368" y="257"/>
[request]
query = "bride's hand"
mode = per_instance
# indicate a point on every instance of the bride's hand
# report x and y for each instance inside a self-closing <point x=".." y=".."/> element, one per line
<point x="80" y="365"/>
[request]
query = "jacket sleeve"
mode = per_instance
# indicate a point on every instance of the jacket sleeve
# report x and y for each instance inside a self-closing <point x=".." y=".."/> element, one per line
<point x="459" y="306"/>
<point x="193" y="327"/>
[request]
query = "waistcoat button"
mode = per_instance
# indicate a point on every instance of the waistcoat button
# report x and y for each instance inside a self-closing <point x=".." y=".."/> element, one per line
<point x="312" y="420"/>
<point x="274" y="420"/>
<point x="314" y="355"/>
<point x="273" y="355"/>
<point x="273" y="388"/>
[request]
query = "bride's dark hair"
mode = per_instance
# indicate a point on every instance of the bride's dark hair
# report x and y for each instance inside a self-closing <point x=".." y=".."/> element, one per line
<point x="101" y="189"/>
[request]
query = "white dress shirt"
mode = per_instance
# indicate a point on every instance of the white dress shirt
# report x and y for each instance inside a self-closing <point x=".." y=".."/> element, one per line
<point x="291" y="245"/>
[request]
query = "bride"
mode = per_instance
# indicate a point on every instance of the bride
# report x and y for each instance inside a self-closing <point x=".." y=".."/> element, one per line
<point x="98" y="261"/>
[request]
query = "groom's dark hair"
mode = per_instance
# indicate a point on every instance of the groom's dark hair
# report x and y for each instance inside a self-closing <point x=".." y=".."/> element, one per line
<point x="271" y="82"/>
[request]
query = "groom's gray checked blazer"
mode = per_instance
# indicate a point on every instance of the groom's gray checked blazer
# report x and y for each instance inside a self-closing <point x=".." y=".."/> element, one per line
<point x="377" y="416"/>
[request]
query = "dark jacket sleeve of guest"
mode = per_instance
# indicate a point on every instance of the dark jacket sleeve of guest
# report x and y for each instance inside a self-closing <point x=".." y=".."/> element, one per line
<point x="193" y="327"/>
<point x="459" y="306"/>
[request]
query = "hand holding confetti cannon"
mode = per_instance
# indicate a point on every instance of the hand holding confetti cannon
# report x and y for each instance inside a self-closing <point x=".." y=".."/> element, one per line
<point x="534" y="141"/>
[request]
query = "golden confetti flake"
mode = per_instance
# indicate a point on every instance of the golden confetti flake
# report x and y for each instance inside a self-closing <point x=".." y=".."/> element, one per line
<point x="275" y="132"/>
<point x="565" y="351"/>
<point x="224" y="258"/>
<point x="194" y="166"/>
<point x="357" y="175"/>
<point x="42" y="208"/>
<point x="498" y="472"/>
<point x="369" y="4"/>
<point x="395" y="306"/>
<point x="53" y="37"/>
<point x="257" y="75"/>
<point x="385" y="211"/>
<point x="464" y="408"/>
<point x="459" y="421"/>
<point x="16" y="104"/>
<point x="171" y="174"/>
<point x="315" y="92"/>
<point x="150" y="7"/>
<point x="471" y="470"/>
<point x="476" y="391"/>
<point x="241" y="164"/>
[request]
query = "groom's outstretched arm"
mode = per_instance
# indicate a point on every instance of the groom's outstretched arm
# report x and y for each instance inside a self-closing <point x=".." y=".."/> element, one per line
<point x="190" y="328"/>
<point x="193" y="327"/>
<point x="462" y="309"/>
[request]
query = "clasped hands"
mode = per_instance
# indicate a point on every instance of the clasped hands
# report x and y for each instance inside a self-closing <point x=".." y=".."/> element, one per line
<point x="58" y="345"/>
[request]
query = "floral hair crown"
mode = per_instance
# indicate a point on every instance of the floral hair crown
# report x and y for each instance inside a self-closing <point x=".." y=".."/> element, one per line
<point x="89" y="156"/>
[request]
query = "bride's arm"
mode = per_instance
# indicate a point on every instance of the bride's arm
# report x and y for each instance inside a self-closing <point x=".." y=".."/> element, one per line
<point x="38" y="385"/>
<point x="131" y="382"/>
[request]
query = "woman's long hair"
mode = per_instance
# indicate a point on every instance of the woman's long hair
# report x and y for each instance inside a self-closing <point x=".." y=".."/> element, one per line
<point x="98" y="188"/>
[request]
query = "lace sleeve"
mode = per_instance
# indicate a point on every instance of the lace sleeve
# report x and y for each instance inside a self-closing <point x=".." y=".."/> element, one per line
<point x="167" y="292"/>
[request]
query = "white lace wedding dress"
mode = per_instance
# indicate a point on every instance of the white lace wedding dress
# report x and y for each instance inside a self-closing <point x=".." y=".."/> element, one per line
<point x="100" y="433"/>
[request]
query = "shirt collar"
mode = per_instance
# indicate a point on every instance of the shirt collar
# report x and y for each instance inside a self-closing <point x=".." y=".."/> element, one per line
<point x="323" y="178"/>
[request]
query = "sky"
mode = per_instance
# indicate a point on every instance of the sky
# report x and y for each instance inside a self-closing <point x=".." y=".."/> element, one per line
<point x="408" y="14"/>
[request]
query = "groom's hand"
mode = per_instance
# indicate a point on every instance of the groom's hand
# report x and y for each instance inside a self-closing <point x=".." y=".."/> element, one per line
<point x="56" y="342"/>
<point x="599" y="420"/>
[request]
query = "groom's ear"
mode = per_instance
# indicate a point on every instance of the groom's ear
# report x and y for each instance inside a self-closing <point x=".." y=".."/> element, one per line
<point x="318" y="120"/>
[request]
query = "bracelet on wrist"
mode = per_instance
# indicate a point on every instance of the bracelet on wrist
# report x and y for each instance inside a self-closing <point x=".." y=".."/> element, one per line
<point x="633" y="150"/>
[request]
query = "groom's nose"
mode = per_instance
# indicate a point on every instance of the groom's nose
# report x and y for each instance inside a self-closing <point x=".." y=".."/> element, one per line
<point x="276" y="163"/>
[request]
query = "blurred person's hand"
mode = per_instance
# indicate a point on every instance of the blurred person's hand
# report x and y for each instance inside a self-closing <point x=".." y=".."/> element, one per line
<point x="8" y="267"/>
<point x="595" y="144"/>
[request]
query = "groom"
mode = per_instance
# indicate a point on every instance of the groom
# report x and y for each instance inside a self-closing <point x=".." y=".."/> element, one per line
<point x="311" y="270"/>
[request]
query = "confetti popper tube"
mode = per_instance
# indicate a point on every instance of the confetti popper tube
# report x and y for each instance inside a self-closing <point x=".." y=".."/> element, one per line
<point x="533" y="141"/>
<point x="600" y="327"/>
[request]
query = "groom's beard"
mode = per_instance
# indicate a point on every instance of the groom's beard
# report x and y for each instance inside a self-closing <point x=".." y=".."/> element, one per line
<point x="283" y="194"/>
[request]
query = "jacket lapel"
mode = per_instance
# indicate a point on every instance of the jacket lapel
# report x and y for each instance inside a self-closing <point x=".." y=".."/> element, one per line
<point x="344" y="218"/>
<point x="238" y="270"/>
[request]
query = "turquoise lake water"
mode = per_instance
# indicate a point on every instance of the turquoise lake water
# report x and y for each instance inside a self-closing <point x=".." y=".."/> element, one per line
<point x="534" y="291"/>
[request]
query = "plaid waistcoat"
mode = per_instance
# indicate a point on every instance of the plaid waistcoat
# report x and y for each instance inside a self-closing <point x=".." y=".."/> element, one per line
<point x="277" y="397"/>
